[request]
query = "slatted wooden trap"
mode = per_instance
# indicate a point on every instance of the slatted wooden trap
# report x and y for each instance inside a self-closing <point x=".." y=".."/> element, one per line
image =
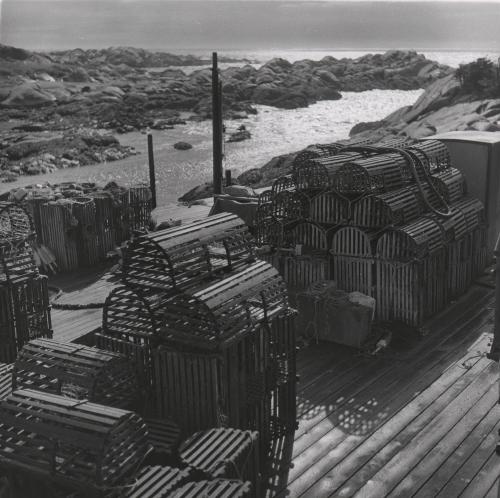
<point x="269" y="230"/>
<point x="375" y="174"/>
<point x="397" y="207"/>
<point x="224" y="453"/>
<point x="24" y="315"/>
<point x="16" y="263"/>
<point x="153" y="482"/>
<point x="104" y="221"/>
<point x="5" y="379"/>
<point x="73" y="442"/>
<point x="315" y="151"/>
<point x="289" y="206"/>
<point x="450" y="183"/>
<point x="216" y="488"/>
<point x="181" y="257"/>
<point x="352" y="252"/>
<point x="59" y="232"/>
<point x="283" y="183"/>
<point x="329" y="208"/>
<point x="310" y="236"/>
<point x="131" y="322"/>
<point x="77" y="372"/>
<point x="411" y="272"/>
<point x="433" y="153"/>
<point x="300" y="271"/>
<point x="15" y="223"/>
<point x="221" y="312"/>
<point x="84" y="211"/>
<point x="318" y="174"/>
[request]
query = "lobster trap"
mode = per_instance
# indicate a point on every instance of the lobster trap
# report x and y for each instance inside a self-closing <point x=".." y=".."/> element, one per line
<point x="310" y="236"/>
<point x="17" y="264"/>
<point x="269" y="230"/>
<point x="230" y="488"/>
<point x="15" y="224"/>
<point x="450" y="183"/>
<point x="84" y="211"/>
<point x="411" y="274"/>
<point x="317" y="174"/>
<point x="74" y="442"/>
<point x="289" y="206"/>
<point x="397" y="207"/>
<point x="329" y="208"/>
<point x="209" y="316"/>
<point x="181" y="257"/>
<point x="77" y="372"/>
<point x="24" y="315"/>
<point x="352" y="251"/>
<point x="224" y="453"/>
<point x="433" y="153"/>
<point x="104" y="223"/>
<point x="283" y="183"/>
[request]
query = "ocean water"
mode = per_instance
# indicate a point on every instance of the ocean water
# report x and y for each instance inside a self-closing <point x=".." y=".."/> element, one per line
<point x="274" y="132"/>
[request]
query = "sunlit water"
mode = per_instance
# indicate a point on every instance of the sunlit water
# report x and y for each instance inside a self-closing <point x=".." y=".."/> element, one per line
<point x="274" y="132"/>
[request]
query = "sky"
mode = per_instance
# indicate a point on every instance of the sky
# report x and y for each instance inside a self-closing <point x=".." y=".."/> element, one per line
<point x="251" y="24"/>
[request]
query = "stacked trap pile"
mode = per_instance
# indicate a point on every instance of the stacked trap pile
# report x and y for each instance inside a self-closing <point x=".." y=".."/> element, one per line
<point x="210" y="328"/>
<point x="24" y="300"/>
<point x="391" y="220"/>
<point x="81" y="223"/>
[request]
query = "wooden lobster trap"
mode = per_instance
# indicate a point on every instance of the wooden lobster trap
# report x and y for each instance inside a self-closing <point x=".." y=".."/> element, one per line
<point x="352" y="251"/>
<point x="375" y="174"/>
<point x="270" y="231"/>
<point x="309" y="236"/>
<point x="17" y="264"/>
<point x="329" y="209"/>
<point x="216" y="314"/>
<point x="216" y="488"/>
<point x="434" y="154"/>
<point x="24" y="315"/>
<point x="225" y="453"/>
<point x="458" y="249"/>
<point x="317" y="174"/>
<point x="289" y="206"/>
<point x="130" y="326"/>
<point x="315" y="151"/>
<point x="33" y="204"/>
<point x="180" y="257"/>
<point x="74" y="442"/>
<point x="104" y="222"/>
<point x="397" y="207"/>
<point x="450" y="183"/>
<point x="473" y="210"/>
<point x="84" y="211"/>
<point x="15" y="223"/>
<point x="154" y="482"/>
<point x="77" y="372"/>
<point x="59" y="232"/>
<point x="395" y="142"/>
<point x="411" y="278"/>
<point x="5" y="379"/>
<point x="283" y="183"/>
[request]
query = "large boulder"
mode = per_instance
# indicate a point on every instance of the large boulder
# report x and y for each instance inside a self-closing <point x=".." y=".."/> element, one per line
<point x="28" y="95"/>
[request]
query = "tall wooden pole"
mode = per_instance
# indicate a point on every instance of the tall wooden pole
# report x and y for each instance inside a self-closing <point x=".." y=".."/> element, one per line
<point x="152" y="177"/>
<point x="216" y="126"/>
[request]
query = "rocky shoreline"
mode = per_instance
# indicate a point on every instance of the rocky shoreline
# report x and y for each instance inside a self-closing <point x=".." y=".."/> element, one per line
<point x="62" y="109"/>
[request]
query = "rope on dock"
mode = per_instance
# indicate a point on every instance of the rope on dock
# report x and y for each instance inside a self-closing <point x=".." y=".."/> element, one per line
<point x="69" y="306"/>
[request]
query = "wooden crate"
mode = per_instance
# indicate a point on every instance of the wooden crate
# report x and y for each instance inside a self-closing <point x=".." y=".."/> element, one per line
<point x="222" y="312"/>
<point x="375" y="174"/>
<point x="434" y="153"/>
<point x="153" y="482"/>
<point x="60" y="233"/>
<point x="77" y="372"/>
<point x="353" y="253"/>
<point x="216" y="488"/>
<point x="224" y="453"/>
<point x="329" y="208"/>
<point x="15" y="223"/>
<point x="310" y="236"/>
<point x="397" y="207"/>
<point x="84" y="211"/>
<point x="180" y="257"/>
<point x="450" y="183"/>
<point x="70" y="441"/>
<point x="411" y="272"/>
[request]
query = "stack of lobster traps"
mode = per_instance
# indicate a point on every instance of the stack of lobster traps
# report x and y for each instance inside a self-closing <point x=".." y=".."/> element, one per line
<point x="24" y="300"/>
<point x="391" y="220"/>
<point x="208" y="327"/>
<point x="82" y="223"/>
